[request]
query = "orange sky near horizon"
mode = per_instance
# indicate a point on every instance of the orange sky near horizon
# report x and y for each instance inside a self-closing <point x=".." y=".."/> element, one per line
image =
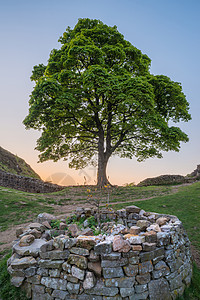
<point x="167" y="31"/>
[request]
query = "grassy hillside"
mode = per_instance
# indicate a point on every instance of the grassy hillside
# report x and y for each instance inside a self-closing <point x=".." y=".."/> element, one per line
<point x="13" y="164"/>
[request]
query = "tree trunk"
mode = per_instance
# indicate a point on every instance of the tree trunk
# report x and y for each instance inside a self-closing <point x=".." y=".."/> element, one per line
<point x="101" y="174"/>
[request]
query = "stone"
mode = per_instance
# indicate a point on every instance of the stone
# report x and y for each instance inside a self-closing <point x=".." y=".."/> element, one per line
<point x="148" y="246"/>
<point x="62" y="226"/>
<point x="111" y="256"/>
<point x="34" y="279"/>
<point x="131" y="270"/>
<point x="79" y="251"/>
<point x="36" y="233"/>
<point x="145" y="267"/>
<point x="134" y="230"/>
<point x="136" y="247"/>
<point x="131" y="253"/>
<point x="133" y="209"/>
<point x="162" y="221"/>
<point x="38" y="288"/>
<point x="26" y="240"/>
<point x="86" y="242"/>
<point x="37" y="226"/>
<point x="133" y="260"/>
<point x="89" y="281"/>
<point x="55" y="254"/>
<point x="141" y="288"/>
<point x="136" y="239"/>
<point x="143" y="224"/>
<point x="60" y="294"/>
<point x="113" y="272"/>
<point x="71" y="278"/>
<point x="142" y="296"/>
<point x="31" y="250"/>
<point x="114" y="263"/>
<point x="117" y="297"/>
<point x="73" y="288"/>
<point x="54" y="283"/>
<point x="70" y="242"/>
<point x="176" y="282"/>
<point x="78" y="273"/>
<point x="150" y="237"/>
<point x="47" y="246"/>
<point x="30" y="271"/>
<point x="103" y="248"/>
<point x="17" y="281"/>
<point x="54" y="273"/>
<point x="19" y="231"/>
<point x="143" y="279"/>
<point x="121" y="245"/>
<point x="51" y="264"/>
<point x="95" y="267"/>
<point x="43" y="272"/>
<point x="127" y="292"/>
<point x="154" y="227"/>
<point x="23" y="263"/>
<point x="78" y="260"/>
<point x="66" y="267"/>
<point x="45" y="217"/>
<point x="15" y="273"/>
<point x="46" y="224"/>
<point x="100" y="290"/>
<point x="87" y="231"/>
<point x="94" y="257"/>
<point x="74" y="230"/>
<point x="159" y="289"/>
<point x="59" y="242"/>
<point x="46" y="235"/>
<point x="123" y="282"/>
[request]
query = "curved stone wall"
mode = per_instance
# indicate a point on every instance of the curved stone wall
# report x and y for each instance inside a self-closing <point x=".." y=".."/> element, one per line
<point x="142" y="256"/>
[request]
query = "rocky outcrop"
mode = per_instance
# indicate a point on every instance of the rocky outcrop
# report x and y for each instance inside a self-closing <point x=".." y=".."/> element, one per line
<point x="143" y="256"/>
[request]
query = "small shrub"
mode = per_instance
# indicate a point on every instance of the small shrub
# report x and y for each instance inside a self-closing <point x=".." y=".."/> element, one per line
<point x="92" y="221"/>
<point x="55" y="224"/>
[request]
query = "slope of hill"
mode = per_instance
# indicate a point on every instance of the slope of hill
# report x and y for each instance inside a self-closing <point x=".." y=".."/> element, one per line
<point x="13" y="164"/>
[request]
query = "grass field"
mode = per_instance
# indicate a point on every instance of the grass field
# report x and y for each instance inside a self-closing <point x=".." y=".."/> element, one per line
<point x="183" y="201"/>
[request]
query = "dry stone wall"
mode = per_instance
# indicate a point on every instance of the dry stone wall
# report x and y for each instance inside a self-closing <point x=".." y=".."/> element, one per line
<point x="141" y="255"/>
<point x="27" y="184"/>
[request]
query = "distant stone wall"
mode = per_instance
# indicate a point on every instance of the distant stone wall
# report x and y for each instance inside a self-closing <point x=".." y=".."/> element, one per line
<point x="27" y="184"/>
<point x="163" y="179"/>
<point x="149" y="260"/>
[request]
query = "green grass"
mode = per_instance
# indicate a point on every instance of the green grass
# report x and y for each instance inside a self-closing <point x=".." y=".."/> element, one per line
<point x="7" y="290"/>
<point x="19" y="207"/>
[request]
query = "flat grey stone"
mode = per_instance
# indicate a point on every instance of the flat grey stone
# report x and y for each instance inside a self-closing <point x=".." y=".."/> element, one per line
<point x="123" y="282"/>
<point x="113" y="272"/>
<point x="159" y="289"/>
<point x="127" y="292"/>
<point x="54" y="283"/>
<point x="53" y="264"/>
<point x="31" y="250"/>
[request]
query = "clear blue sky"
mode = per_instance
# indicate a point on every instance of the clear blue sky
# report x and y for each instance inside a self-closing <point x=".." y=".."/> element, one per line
<point x="167" y="31"/>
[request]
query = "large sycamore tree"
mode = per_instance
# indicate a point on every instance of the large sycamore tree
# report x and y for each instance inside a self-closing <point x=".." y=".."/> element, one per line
<point x="96" y="98"/>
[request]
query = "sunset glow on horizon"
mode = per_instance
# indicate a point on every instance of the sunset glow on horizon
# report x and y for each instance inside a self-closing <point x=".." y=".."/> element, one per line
<point x="166" y="31"/>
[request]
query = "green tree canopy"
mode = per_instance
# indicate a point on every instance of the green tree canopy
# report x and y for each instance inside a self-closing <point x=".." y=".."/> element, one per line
<point x="96" y="98"/>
